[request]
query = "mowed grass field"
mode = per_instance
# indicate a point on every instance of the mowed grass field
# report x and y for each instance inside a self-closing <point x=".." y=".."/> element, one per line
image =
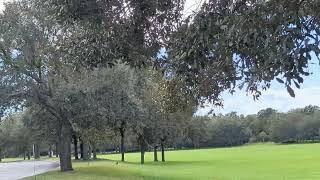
<point x="6" y="160"/>
<point x="252" y="162"/>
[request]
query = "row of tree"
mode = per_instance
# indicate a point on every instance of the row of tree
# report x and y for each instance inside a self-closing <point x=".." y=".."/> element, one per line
<point x="297" y="126"/>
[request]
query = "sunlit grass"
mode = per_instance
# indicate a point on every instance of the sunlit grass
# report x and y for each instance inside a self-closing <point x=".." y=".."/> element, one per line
<point x="254" y="162"/>
<point x="6" y="160"/>
<point x="20" y="159"/>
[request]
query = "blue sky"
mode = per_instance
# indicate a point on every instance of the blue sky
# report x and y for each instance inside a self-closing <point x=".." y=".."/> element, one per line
<point x="275" y="97"/>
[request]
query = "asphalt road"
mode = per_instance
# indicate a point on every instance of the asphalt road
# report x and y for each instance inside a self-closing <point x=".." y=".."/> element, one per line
<point x="19" y="170"/>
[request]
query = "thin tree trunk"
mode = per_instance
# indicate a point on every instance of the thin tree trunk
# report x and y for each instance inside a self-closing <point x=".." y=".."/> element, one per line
<point x="86" y="151"/>
<point x="122" y="150"/>
<point x="65" y="148"/>
<point x="142" y="154"/>
<point x="0" y="155"/>
<point x="81" y="149"/>
<point x="94" y="154"/>
<point x="155" y="153"/>
<point x="50" y="151"/>
<point x="36" y="151"/>
<point x="90" y="150"/>
<point x="162" y="152"/>
<point x="28" y="154"/>
<point x="75" y="145"/>
<point x="57" y="150"/>
<point x="142" y="149"/>
<point x="94" y="151"/>
<point x="24" y="155"/>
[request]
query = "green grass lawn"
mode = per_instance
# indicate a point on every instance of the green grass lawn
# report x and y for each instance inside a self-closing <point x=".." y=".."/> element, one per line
<point x="6" y="160"/>
<point x="260" y="161"/>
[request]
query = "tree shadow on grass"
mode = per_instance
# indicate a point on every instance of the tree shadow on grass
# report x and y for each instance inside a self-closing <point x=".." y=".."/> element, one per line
<point x="110" y="169"/>
<point x="99" y="172"/>
<point x="159" y="163"/>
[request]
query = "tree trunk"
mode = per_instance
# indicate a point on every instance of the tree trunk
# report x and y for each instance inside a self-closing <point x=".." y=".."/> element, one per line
<point x="28" y="154"/>
<point x="142" y="149"/>
<point x="81" y="149"/>
<point x="65" y="148"/>
<point x="142" y="155"/>
<point x="24" y="155"/>
<point x="75" y="145"/>
<point x="86" y="151"/>
<point x="36" y="151"/>
<point x="122" y="150"/>
<point x="162" y="152"/>
<point x="94" y="151"/>
<point x="155" y="153"/>
<point x="50" y="151"/>
<point x="57" y="150"/>
<point x="0" y="155"/>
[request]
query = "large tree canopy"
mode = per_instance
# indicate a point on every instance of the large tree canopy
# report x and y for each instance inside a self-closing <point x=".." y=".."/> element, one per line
<point x="101" y="32"/>
<point x="227" y="44"/>
<point x="247" y="43"/>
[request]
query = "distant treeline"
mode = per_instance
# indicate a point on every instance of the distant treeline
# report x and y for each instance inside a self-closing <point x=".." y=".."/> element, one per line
<point x="296" y="126"/>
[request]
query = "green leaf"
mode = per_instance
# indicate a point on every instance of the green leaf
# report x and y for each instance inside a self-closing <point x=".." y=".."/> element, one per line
<point x="280" y="80"/>
<point x="297" y="85"/>
<point x="300" y="79"/>
<point x="291" y="91"/>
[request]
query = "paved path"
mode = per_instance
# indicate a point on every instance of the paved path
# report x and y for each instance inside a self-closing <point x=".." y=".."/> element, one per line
<point x="19" y="170"/>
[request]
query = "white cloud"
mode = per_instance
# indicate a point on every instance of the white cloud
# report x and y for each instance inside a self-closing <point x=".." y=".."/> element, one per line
<point x="278" y="99"/>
